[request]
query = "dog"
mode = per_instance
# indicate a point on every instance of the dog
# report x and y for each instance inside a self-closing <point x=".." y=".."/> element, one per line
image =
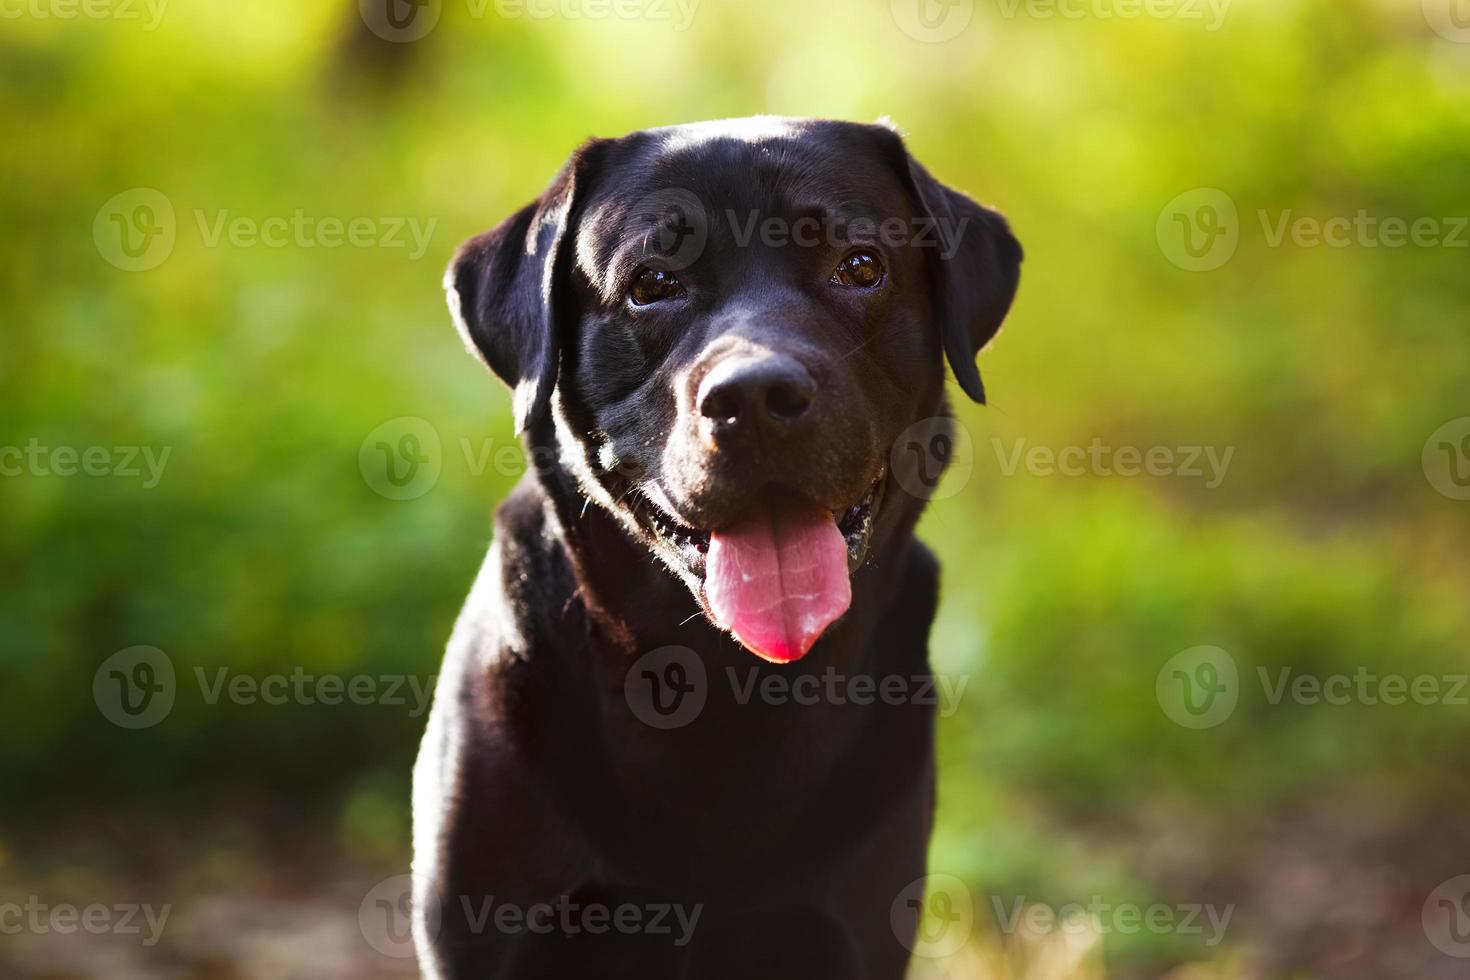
<point x="716" y="337"/>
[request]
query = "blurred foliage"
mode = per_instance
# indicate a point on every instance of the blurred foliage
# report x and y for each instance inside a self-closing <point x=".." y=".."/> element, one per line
<point x="262" y="549"/>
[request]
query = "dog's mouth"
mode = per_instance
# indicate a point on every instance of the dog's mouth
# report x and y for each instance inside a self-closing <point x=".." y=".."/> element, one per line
<point x="691" y="544"/>
<point x="778" y="574"/>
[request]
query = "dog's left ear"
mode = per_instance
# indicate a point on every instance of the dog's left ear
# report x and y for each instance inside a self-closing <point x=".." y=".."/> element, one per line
<point x="976" y="268"/>
<point x="501" y="289"/>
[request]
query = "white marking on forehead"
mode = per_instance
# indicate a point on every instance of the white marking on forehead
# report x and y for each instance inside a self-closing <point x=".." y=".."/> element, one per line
<point x="750" y="129"/>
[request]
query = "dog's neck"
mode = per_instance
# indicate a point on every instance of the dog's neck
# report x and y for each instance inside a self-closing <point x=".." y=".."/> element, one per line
<point x="622" y="602"/>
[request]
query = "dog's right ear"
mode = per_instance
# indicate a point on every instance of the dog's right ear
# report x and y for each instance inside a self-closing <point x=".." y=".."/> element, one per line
<point x="501" y="287"/>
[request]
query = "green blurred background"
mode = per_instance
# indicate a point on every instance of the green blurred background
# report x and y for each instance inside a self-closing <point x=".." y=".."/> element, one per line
<point x="1334" y="374"/>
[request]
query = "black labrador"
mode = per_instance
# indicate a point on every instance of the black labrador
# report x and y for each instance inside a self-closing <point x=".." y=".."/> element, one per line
<point x="679" y="731"/>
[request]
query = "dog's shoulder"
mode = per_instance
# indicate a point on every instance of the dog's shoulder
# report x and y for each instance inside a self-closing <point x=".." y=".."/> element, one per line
<point x="917" y="587"/>
<point x="523" y="525"/>
<point x="525" y="574"/>
<point x="908" y="613"/>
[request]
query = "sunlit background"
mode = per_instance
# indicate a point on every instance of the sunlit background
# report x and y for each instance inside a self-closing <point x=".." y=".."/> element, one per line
<point x="1223" y="454"/>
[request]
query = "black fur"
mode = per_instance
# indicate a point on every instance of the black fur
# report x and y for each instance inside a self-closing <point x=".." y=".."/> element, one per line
<point x="792" y="828"/>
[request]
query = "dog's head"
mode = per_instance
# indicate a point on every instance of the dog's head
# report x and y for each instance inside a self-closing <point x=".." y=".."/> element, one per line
<point x="724" y="327"/>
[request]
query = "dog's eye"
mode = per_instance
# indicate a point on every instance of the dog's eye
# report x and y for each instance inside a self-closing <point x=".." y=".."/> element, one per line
<point x="652" y="285"/>
<point x="862" y="269"/>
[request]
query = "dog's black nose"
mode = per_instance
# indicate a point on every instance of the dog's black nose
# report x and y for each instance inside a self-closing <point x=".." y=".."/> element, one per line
<point x="762" y="392"/>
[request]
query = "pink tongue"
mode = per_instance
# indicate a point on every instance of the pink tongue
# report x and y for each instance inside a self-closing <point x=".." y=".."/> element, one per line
<point x="778" y="578"/>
